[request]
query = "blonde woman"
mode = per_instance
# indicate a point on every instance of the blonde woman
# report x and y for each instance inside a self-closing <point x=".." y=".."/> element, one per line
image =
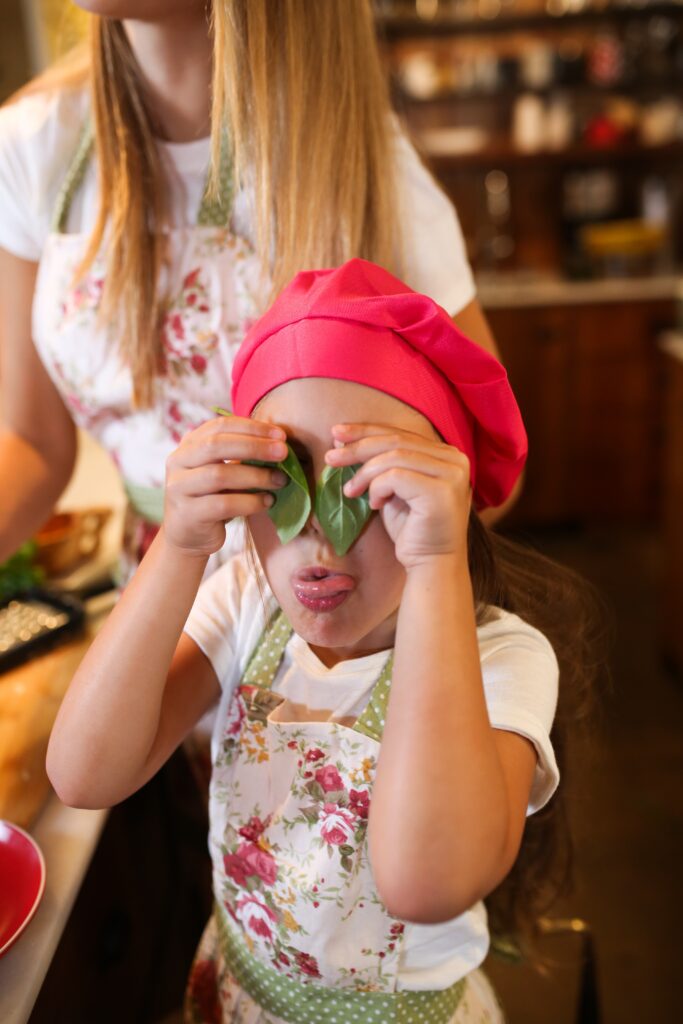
<point x="127" y="278"/>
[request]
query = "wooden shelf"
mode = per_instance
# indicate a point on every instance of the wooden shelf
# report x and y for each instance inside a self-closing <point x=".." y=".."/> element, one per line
<point x="509" y="93"/>
<point x="578" y="154"/>
<point x="396" y="27"/>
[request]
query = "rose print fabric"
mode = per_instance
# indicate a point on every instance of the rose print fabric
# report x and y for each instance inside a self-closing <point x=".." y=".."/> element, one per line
<point x="214" y="997"/>
<point x="289" y="808"/>
<point x="210" y="281"/>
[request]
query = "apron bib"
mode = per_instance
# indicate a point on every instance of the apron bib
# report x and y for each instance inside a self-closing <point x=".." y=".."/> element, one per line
<point x="298" y="923"/>
<point x="210" y="279"/>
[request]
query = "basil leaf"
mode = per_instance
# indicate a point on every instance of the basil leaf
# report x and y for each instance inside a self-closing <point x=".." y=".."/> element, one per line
<point x="292" y="505"/>
<point x="341" y="518"/>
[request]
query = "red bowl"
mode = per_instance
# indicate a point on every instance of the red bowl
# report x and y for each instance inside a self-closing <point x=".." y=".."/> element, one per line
<point x="22" y="881"/>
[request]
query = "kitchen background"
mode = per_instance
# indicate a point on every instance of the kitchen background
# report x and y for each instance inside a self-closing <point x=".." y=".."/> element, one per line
<point x="556" y="126"/>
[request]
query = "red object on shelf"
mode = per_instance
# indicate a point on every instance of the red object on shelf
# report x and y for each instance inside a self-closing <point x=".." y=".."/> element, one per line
<point x="603" y="133"/>
<point x="22" y="881"/>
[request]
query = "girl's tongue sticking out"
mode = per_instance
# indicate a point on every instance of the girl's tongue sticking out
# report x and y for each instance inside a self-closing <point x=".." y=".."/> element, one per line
<point x="320" y="589"/>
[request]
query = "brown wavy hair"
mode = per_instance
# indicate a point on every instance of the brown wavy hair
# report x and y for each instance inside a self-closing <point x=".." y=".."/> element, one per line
<point x="569" y="612"/>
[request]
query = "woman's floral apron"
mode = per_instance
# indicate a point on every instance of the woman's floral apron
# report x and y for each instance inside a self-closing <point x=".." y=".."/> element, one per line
<point x="299" y="933"/>
<point x="210" y="279"/>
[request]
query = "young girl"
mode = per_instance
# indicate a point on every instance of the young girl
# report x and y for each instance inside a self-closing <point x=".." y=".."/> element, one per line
<point x="383" y="728"/>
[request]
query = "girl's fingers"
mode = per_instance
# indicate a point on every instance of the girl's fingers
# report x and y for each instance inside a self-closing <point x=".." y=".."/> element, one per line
<point x="215" y="508"/>
<point x="242" y="425"/>
<point x="374" y="440"/>
<point x="218" y="447"/>
<point x="409" y="486"/>
<point x="215" y="477"/>
<point x="456" y="472"/>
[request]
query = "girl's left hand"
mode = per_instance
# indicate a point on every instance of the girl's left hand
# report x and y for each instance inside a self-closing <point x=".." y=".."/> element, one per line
<point x="421" y="488"/>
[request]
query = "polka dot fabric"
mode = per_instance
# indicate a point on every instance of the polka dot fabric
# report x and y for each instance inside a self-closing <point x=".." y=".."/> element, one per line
<point x="308" y="1003"/>
<point x="264" y="662"/>
<point x="299" y="934"/>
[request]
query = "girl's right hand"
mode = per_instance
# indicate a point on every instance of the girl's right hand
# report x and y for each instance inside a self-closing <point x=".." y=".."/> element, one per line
<point x="208" y="484"/>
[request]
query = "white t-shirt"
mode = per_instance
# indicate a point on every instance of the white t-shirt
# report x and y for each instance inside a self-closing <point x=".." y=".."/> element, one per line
<point x="39" y="135"/>
<point x="520" y="675"/>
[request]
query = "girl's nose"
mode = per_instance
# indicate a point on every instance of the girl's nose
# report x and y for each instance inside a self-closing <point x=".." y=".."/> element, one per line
<point x="312" y="523"/>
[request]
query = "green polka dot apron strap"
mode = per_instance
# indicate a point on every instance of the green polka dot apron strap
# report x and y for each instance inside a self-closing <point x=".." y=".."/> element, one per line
<point x="215" y="207"/>
<point x="371" y="721"/>
<point x="301" y="1002"/>
<point x="266" y="657"/>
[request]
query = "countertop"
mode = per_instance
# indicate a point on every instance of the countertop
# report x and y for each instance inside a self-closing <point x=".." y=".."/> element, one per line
<point x="66" y="836"/>
<point x="520" y="289"/>
<point x="68" y="839"/>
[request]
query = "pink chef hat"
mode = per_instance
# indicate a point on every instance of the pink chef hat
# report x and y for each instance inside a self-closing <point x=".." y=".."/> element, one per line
<point x="359" y="323"/>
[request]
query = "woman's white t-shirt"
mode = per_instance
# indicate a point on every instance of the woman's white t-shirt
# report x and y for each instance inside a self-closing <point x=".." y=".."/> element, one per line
<point x="520" y="675"/>
<point x="38" y="138"/>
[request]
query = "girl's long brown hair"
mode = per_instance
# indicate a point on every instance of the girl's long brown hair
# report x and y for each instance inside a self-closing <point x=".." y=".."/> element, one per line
<point x="300" y="95"/>
<point x="568" y="611"/>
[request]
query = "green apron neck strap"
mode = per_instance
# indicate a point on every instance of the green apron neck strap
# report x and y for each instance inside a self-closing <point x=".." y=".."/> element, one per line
<point x="266" y="657"/>
<point x="371" y="721"/>
<point x="213" y="210"/>
<point x="265" y="661"/>
<point x="73" y="177"/>
<point x="147" y="502"/>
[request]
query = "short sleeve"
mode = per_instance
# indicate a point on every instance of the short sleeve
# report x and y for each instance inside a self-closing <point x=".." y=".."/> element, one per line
<point x="521" y="677"/>
<point x="434" y="259"/>
<point x="227" y="618"/>
<point x="38" y="136"/>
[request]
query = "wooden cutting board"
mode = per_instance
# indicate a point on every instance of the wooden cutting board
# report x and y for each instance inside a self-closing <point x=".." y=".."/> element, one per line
<point x="30" y="696"/>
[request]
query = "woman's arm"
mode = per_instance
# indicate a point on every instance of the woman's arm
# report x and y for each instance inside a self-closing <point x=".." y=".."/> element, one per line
<point x="451" y="793"/>
<point x="142" y="685"/>
<point x="38" y="436"/>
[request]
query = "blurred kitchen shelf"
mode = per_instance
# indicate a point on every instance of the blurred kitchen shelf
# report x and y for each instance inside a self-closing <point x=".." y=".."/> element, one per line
<point x="394" y="27"/>
<point x="650" y="88"/>
<point x="504" y="153"/>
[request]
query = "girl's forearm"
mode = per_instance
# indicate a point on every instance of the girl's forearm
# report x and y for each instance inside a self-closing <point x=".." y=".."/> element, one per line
<point x="110" y="716"/>
<point x="439" y="815"/>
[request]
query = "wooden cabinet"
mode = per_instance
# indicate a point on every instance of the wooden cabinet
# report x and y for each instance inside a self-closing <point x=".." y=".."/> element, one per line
<point x="588" y="381"/>
<point x="672" y="507"/>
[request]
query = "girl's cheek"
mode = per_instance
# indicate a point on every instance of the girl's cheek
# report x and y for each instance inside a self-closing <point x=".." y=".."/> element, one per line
<point x="263" y="532"/>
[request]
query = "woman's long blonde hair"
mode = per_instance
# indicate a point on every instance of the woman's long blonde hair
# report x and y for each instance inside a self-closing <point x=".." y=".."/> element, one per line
<point x="299" y="90"/>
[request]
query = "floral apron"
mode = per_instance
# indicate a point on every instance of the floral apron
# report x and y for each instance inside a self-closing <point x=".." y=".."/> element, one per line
<point x="299" y="932"/>
<point x="210" y="279"/>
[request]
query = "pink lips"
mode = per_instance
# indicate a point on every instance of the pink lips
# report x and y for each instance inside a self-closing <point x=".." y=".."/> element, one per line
<point x="320" y="589"/>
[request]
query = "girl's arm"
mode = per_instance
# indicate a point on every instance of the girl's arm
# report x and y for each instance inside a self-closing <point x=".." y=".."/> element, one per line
<point x="142" y="685"/>
<point x="451" y="793"/>
<point x="38" y="436"/>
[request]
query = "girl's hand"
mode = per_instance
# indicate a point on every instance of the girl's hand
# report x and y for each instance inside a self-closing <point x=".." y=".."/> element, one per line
<point x="420" y="486"/>
<point x="207" y="483"/>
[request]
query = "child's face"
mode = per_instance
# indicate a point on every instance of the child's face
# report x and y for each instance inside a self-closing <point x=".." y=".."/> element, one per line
<point x="343" y="606"/>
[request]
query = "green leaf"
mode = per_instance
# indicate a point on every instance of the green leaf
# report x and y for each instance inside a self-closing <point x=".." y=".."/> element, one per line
<point x="292" y="505"/>
<point x="341" y="518"/>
